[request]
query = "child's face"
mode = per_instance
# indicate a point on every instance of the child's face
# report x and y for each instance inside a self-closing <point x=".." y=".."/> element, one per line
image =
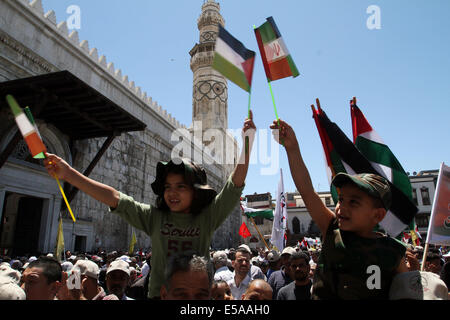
<point x="221" y="291"/>
<point x="356" y="211"/>
<point x="177" y="194"/>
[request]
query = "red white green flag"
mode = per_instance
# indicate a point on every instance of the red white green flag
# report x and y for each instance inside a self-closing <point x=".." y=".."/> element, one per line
<point x="275" y="55"/>
<point x="350" y="160"/>
<point x="27" y="128"/>
<point x="370" y="144"/>
<point x="233" y="60"/>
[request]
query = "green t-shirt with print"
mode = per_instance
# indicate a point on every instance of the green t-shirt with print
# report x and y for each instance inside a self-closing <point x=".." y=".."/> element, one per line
<point x="177" y="232"/>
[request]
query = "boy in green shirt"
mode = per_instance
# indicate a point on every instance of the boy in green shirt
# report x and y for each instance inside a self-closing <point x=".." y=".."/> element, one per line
<point x="355" y="262"/>
<point x="187" y="210"/>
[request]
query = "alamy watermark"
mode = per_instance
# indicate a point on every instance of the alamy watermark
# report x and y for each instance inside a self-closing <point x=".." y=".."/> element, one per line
<point x="374" y="20"/>
<point x="74" y="20"/>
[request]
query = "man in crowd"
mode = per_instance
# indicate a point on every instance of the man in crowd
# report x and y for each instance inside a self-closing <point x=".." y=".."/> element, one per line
<point x="188" y="276"/>
<point x="280" y="278"/>
<point x="258" y="289"/>
<point x="220" y="260"/>
<point x="89" y="272"/>
<point x="117" y="277"/>
<point x="41" y="279"/>
<point x="273" y="257"/>
<point x="241" y="278"/>
<point x="300" y="288"/>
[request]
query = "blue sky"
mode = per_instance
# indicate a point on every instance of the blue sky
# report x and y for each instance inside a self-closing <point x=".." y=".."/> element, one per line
<point x="399" y="73"/>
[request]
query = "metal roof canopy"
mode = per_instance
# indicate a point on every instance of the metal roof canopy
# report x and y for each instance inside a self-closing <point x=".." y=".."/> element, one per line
<point x="72" y="106"/>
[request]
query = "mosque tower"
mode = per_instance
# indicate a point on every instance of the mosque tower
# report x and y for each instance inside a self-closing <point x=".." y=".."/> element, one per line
<point x="210" y="88"/>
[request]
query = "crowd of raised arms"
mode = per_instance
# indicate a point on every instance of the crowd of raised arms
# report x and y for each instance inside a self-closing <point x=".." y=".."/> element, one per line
<point x="352" y="262"/>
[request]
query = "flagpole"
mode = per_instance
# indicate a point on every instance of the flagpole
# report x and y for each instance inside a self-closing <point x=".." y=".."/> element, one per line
<point x="248" y="116"/>
<point x="424" y="258"/>
<point x="260" y="235"/>
<point x="275" y="108"/>
<point x="430" y="223"/>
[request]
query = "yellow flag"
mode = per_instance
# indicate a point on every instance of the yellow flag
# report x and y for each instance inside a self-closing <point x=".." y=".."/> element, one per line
<point x="132" y="243"/>
<point x="59" y="248"/>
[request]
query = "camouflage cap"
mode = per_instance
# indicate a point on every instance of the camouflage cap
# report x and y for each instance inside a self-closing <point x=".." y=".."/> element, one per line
<point x="373" y="184"/>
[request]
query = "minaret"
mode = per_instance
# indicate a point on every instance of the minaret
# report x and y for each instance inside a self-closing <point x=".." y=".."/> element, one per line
<point x="210" y="89"/>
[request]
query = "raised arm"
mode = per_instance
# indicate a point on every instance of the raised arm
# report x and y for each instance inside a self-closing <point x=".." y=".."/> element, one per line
<point x="58" y="167"/>
<point x="240" y="171"/>
<point x="317" y="209"/>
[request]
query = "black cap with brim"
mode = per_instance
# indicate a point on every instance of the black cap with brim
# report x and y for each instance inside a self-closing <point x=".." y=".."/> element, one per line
<point x="375" y="185"/>
<point x="192" y="171"/>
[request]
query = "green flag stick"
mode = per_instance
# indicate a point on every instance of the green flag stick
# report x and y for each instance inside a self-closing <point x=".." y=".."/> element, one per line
<point x="246" y="137"/>
<point x="275" y="108"/>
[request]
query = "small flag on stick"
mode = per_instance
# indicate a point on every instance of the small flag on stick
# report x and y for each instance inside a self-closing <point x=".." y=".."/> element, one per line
<point x="32" y="137"/>
<point x="59" y="248"/>
<point x="132" y="243"/>
<point x="275" y="56"/>
<point x="28" y="128"/>
<point x="233" y="60"/>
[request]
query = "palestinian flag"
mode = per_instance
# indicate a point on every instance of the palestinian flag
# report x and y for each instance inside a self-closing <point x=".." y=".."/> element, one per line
<point x="334" y="163"/>
<point x="251" y="212"/>
<point x="28" y="129"/>
<point x="370" y="144"/>
<point x="352" y="161"/>
<point x="233" y="60"/>
<point x="275" y="56"/>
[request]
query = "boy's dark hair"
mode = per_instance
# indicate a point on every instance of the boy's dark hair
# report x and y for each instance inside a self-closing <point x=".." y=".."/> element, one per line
<point x="193" y="175"/>
<point x="52" y="270"/>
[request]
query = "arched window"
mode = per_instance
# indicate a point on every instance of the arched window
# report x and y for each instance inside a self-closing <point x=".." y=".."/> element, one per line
<point x="296" y="225"/>
<point x="425" y="196"/>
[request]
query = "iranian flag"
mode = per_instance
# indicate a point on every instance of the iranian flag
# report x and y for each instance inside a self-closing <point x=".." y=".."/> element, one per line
<point x="275" y="56"/>
<point x="347" y="158"/>
<point x="370" y="144"/>
<point x="233" y="60"/>
<point x="28" y="129"/>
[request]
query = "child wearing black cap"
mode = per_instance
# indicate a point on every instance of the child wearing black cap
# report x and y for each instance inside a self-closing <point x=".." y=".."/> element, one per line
<point x="355" y="262"/>
<point x="187" y="210"/>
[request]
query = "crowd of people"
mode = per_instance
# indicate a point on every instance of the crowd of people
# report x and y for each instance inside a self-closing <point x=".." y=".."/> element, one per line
<point x="241" y="273"/>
